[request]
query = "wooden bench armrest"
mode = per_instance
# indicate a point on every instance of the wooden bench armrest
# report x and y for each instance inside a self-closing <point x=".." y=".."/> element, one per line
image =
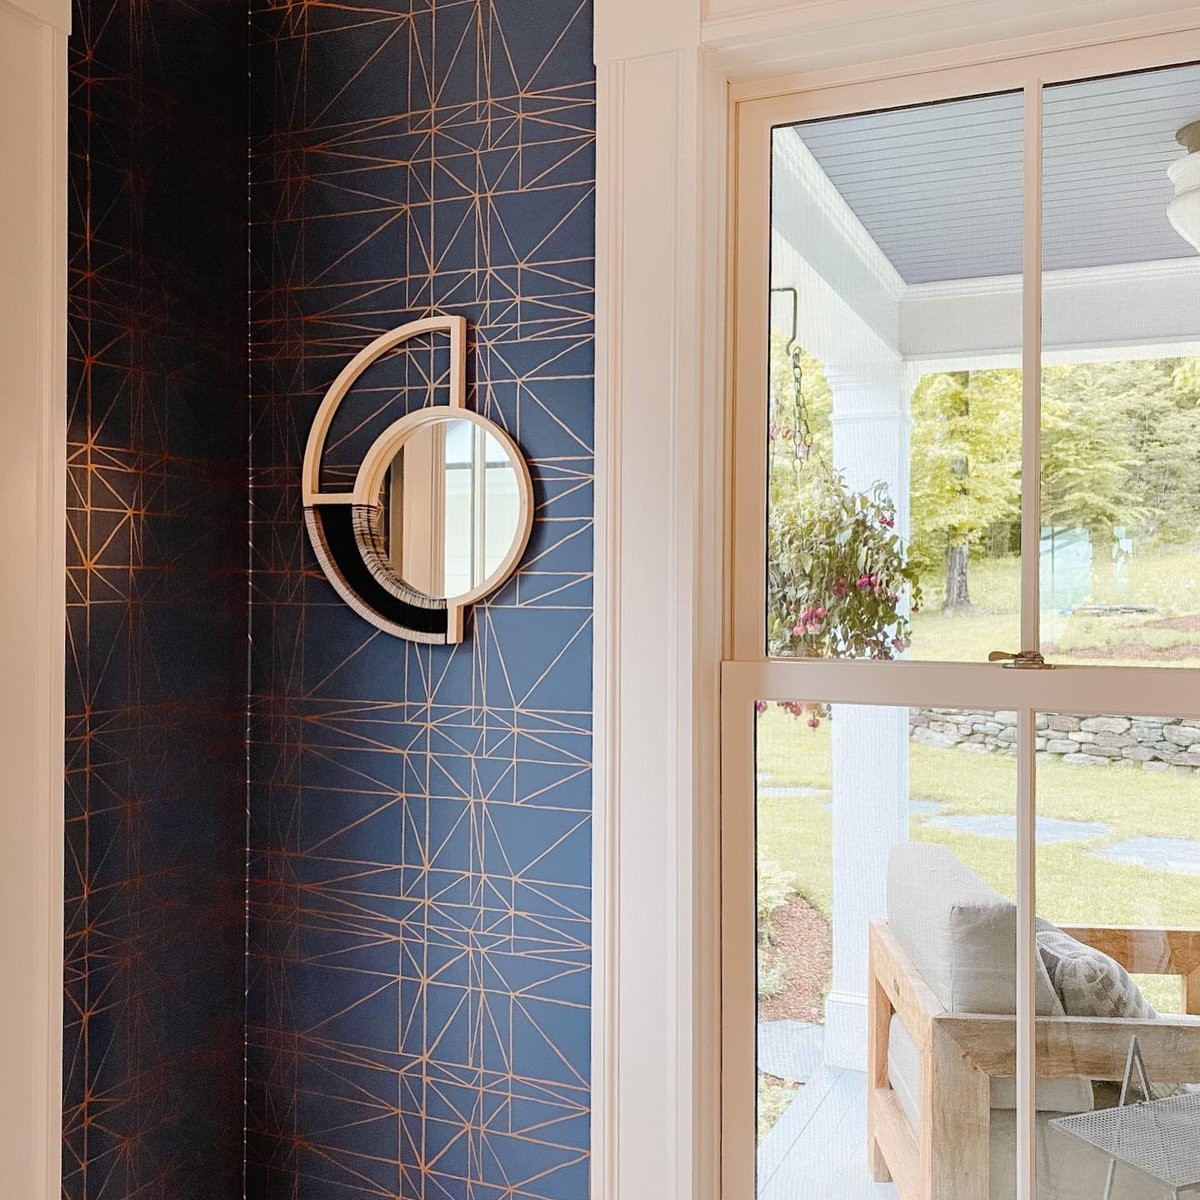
<point x="1087" y="1047"/>
<point x="909" y="995"/>
<point x="1143" y="950"/>
<point x="949" y="1159"/>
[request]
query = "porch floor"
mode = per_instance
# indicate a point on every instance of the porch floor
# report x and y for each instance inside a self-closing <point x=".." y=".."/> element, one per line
<point x="818" y="1148"/>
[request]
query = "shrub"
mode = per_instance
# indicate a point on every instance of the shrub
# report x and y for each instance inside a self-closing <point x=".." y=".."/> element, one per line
<point x="774" y="973"/>
<point x="774" y="1095"/>
<point x="774" y="887"/>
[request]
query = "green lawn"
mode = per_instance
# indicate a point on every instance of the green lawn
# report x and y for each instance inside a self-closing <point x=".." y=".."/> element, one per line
<point x="1166" y="578"/>
<point x="1074" y="886"/>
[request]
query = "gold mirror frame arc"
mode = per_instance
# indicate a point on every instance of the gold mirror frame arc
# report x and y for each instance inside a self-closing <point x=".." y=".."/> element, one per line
<point x="455" y="327"/>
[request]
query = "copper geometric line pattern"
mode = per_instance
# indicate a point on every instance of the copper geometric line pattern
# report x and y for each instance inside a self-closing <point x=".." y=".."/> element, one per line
<point x="420" y="816"/>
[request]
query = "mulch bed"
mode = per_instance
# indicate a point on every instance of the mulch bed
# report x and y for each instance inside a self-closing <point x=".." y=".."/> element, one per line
<point x="1137" y="651"/>
<point x="801" y="936"/>
<point x="1179" y="624"/>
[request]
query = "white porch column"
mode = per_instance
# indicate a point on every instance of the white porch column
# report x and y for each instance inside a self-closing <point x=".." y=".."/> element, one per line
<point x="870" y="745"/>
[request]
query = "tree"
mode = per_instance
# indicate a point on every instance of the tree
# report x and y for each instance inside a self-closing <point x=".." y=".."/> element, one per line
<point x="1121" y="448"/>
<point x="1087" y="458"/>
<point x="966" y="464"/>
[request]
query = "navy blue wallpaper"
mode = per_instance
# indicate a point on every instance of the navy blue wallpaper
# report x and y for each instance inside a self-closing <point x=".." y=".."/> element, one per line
<point x="156" y="592"/>
<point x="418" y="1008"/>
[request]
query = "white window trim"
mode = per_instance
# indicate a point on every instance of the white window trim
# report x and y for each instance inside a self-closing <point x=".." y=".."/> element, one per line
<point x="33" y="349"/>
<point x="670" y="77"/>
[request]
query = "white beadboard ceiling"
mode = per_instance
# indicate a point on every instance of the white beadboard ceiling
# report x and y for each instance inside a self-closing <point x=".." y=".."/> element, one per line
<point x="939" y="187"/>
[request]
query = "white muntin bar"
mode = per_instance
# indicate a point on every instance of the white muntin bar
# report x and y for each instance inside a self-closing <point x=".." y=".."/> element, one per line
<point x="1031" y="475"/>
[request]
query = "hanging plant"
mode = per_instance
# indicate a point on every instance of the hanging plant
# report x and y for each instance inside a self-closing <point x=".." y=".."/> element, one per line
<point x="837" y="573"/>
<point x="839" y="580"/>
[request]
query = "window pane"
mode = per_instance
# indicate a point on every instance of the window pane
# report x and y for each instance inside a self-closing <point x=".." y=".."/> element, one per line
<point x="461" y="524"/>
<point x="1120" y="537"/>
<point x="907" y="818"/>
<point x="895" y="383"/>
<point x="1118" y="884"/>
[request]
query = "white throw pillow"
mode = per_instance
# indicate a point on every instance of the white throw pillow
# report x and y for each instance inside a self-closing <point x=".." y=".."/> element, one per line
<point x="1089" y="982"/>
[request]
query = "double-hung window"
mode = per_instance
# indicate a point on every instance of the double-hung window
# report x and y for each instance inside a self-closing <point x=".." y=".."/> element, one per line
<point x="961" y="716"/>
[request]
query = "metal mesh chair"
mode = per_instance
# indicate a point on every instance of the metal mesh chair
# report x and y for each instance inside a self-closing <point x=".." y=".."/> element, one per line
<point x="1157" y="1136"/>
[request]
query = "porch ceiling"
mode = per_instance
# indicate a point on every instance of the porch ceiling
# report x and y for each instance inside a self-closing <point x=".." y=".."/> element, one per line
<point x="938" y="187"/>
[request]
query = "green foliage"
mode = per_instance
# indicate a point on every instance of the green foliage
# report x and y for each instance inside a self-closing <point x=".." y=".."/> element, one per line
<point x="837" y="573"/>
<point x="774" y="1096"/>
<point x="1120" y="450"/>
<point x="1121" y="447"/>
<point x="774" y="887"/>
<point x="1186" y="377"/>
<point x="774" y="973"/>
<point x="1089" y="458"/>
<point x="966" y="459"/>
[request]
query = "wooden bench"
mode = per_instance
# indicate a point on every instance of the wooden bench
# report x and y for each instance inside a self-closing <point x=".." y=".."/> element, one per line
<point x="948" y="1159"/>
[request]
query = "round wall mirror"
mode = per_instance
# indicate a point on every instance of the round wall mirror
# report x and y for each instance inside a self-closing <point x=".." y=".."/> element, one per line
<point x="440" y="512"/>
<point x="452" y="508"/>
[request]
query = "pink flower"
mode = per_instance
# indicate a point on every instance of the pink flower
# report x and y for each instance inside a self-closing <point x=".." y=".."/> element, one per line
<point x="887" y="520"/>
<point x="798" y="629"/>
<point x="880" y="591"/>
<point x="863" y="582"/>
<point x="760" y="707"/>
<point x="814" y="722"/>
<point x="839" y="588"/>
<point x="772" y="431"/>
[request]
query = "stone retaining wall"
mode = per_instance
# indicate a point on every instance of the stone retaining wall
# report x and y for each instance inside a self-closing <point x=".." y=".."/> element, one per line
<point x="1155" y="743"/>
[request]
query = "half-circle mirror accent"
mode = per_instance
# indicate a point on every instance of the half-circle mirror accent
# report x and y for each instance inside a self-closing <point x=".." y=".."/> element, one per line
<point x="441" y="508"/>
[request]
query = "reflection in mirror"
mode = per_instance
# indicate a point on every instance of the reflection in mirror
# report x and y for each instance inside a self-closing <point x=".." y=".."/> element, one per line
<point x="452" y="507"/>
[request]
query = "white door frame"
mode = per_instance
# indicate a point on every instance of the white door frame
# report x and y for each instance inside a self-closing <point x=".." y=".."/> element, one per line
<point x="33" y="350"/>
<point x="671" y="76"/>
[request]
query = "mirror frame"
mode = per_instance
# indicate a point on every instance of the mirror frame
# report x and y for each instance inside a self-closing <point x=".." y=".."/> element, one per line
<point x="379" y="458"/>
<point x="345" y="527"/>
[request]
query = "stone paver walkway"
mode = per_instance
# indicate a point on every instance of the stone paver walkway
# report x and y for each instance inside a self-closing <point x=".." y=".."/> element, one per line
<point x="790" y="1049"/>
<point x="1177" y="856"/>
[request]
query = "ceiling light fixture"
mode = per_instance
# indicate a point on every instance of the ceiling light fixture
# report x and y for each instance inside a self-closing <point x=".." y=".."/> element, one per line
<point x="1184" y="209"/>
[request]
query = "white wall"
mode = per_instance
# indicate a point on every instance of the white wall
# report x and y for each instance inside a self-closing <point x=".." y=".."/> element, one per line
<point x="667" y="70"/>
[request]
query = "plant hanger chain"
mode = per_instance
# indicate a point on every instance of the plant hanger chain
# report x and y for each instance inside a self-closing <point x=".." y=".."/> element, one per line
<point x="799" y="431"/>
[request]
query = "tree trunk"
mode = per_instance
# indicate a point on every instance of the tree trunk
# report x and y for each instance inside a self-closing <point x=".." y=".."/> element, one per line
<point x="958" y="594"/>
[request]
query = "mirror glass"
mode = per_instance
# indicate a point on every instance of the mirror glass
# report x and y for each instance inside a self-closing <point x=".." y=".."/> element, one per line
<point x="451" y="507"/>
